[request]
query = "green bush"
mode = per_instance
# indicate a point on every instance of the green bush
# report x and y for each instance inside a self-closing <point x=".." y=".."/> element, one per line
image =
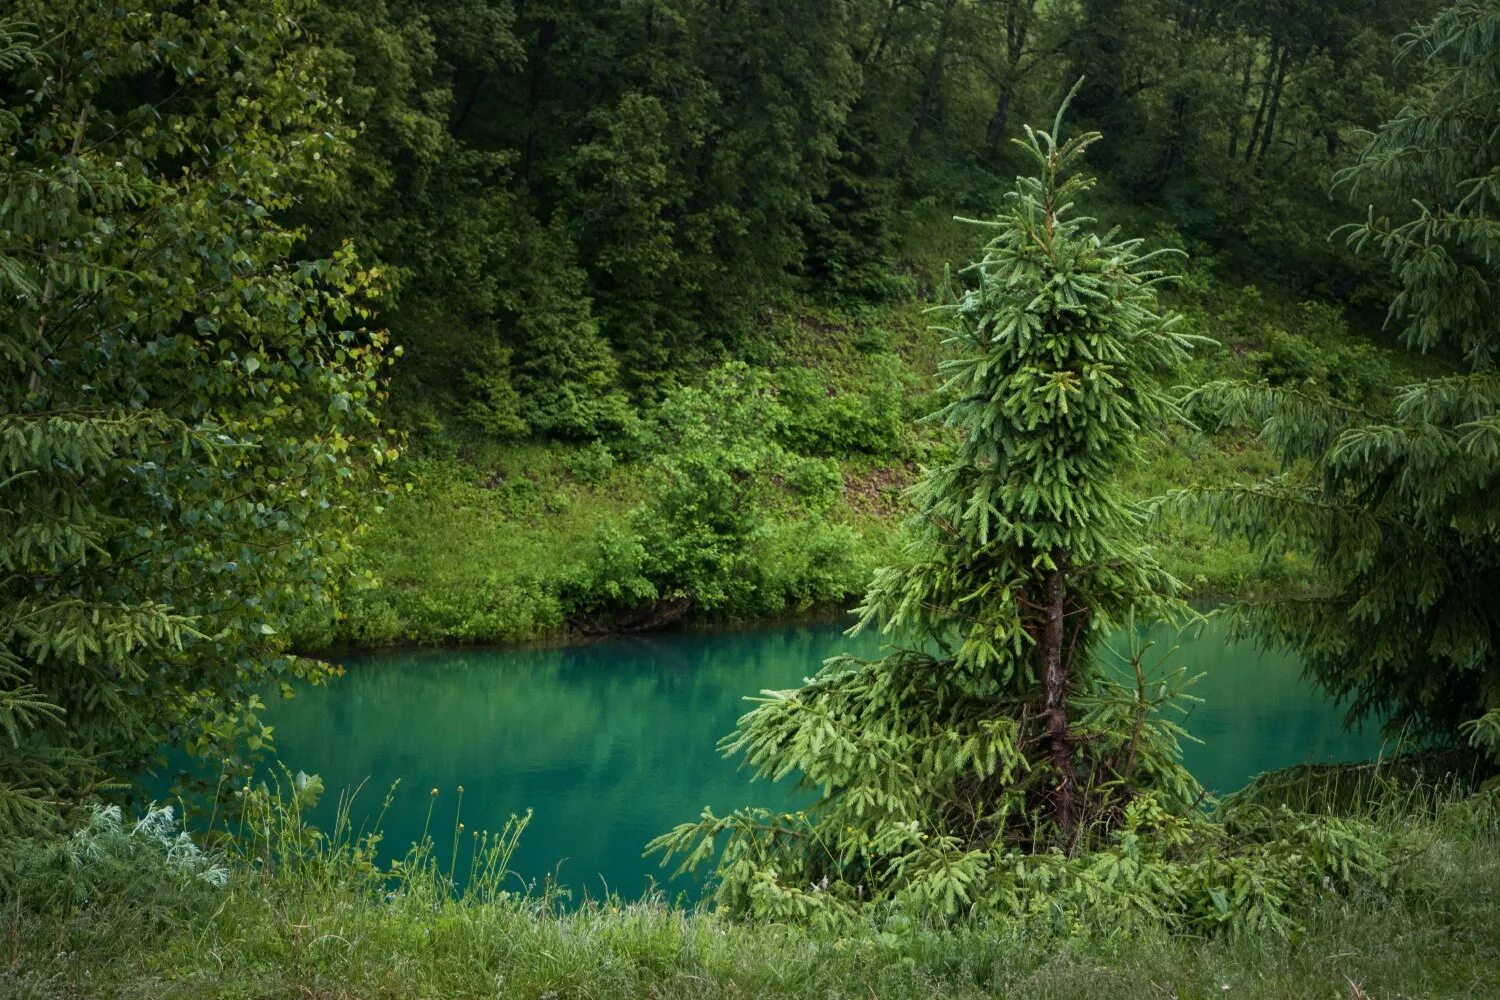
<point x="504" y="609"/>
<point x="714" y="458"/>
<point x="806" y="565"/>
<point x="862" y="414"/>
<point x="615" y="576"/>
<point x="145" y="867"/>
<point x="817" y="482"/>
<point x="591" y="463"/>
<point x="491" y="405"/>
<point x="1349" y="372"/>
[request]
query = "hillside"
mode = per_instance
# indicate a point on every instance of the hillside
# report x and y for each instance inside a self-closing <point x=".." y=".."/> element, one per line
<point x="488" y="537"/>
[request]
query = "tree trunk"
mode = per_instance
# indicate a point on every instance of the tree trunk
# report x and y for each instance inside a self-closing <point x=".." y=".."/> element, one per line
<point x="1239" y="107"/>
<point x="1265" y="99"/>
<point x="1174" y="149"/>
<point x="1270" y="130"/>
<point x="1099" y="56"/>
<point x="932" y="82"/>
<point x="995" y="131"/>
<point x="1017" y="22"/>
<point x="546" y="34"/>
<point x="472" y="98"/>
<point x="882" y="35"/>
<point x="1055" y="670"/>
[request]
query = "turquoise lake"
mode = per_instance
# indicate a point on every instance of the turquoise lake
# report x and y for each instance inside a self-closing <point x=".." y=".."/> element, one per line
<point x="609" y="743"/>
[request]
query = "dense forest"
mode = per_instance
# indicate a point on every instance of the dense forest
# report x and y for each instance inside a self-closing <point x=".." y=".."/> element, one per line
<point x="577" y="206"/>
<point x="1013" y="324"/>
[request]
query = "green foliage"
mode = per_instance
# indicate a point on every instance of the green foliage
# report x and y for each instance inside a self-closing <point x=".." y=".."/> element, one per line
<point x="563" y="372"/>
<point x="697" y="542"/>
<point x="1407" y="640"/>
<point x="492" y="406"/>
<point x="190" y="407"/>
<point x="714" y="451"/>
<point x="591" y="464"/>
<point x="852" y="233"/>
<point x="1438" y="159"/>
<point x="1009" y="774"/>
<point x="575" y="197"/>
<point x="573" y="201"/>
<point x="575" y="209"/>
<point x="304" y="910"/>
<point x="867" y="415"/>
<point x="1395" y="498"/>
<point x="536" y="365"/>
<point x="150" y="860"/>
<point x="1321" y="356"/>
<point x="506" y="544"/>
<point x="490" y="534"/>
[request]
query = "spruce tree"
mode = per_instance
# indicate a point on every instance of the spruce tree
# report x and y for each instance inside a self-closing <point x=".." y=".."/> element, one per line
<point x="1396" y="500"/>
<point x="993" y="764"/>
<point x="993" y="731"/>
<point x="561" y="365"/>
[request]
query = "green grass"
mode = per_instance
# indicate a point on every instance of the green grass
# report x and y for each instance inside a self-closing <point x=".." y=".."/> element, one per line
<point x="479" y="547"/>
<point x="109" y="915"/>
<point x="475" y="549"/>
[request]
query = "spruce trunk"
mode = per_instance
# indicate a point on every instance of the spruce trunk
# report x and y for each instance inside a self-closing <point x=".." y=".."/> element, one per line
<point x="1055" y="677"/>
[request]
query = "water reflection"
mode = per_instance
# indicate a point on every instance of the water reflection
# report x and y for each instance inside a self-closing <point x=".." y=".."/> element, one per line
<point x="613" y="742"/>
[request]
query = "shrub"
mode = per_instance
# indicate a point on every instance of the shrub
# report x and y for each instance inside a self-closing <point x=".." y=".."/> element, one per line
<point x="591" y="463"/>
<point x="864" y="415"/>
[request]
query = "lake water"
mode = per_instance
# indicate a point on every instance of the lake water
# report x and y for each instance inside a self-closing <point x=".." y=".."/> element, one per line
<point x="613" y="742"/>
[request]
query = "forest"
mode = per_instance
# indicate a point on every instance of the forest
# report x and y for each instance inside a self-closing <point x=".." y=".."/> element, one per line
<point x="1011" y="336"/>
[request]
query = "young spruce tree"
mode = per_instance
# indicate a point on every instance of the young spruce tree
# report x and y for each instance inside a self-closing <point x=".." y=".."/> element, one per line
<point x="992" y="766"/>
<point x="992" y="733"/>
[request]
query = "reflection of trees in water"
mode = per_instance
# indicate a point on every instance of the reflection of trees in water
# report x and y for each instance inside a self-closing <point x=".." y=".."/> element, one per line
<point x="609" y="740"/>
<point x="1258" y="712"/>
<point x="613" y="740"/>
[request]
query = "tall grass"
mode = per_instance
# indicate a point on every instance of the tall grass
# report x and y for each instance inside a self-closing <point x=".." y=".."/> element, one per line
<point x="307" y="913"/>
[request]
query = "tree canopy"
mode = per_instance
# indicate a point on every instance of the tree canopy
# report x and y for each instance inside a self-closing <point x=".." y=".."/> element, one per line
<point x="190" y="404"/>
<point x="578" y="205"/>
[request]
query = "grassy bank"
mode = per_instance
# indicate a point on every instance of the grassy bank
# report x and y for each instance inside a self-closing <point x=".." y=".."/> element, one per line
<point x="135" y="913"/>
<point x="491" y="541"/>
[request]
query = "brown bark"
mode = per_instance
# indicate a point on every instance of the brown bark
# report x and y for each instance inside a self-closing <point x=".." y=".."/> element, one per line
<point x="1055" y="676"/>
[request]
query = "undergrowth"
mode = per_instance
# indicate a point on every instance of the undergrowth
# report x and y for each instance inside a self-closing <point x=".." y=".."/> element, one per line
<point x="124" y="910"/>
<point x="495" y="542"/>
